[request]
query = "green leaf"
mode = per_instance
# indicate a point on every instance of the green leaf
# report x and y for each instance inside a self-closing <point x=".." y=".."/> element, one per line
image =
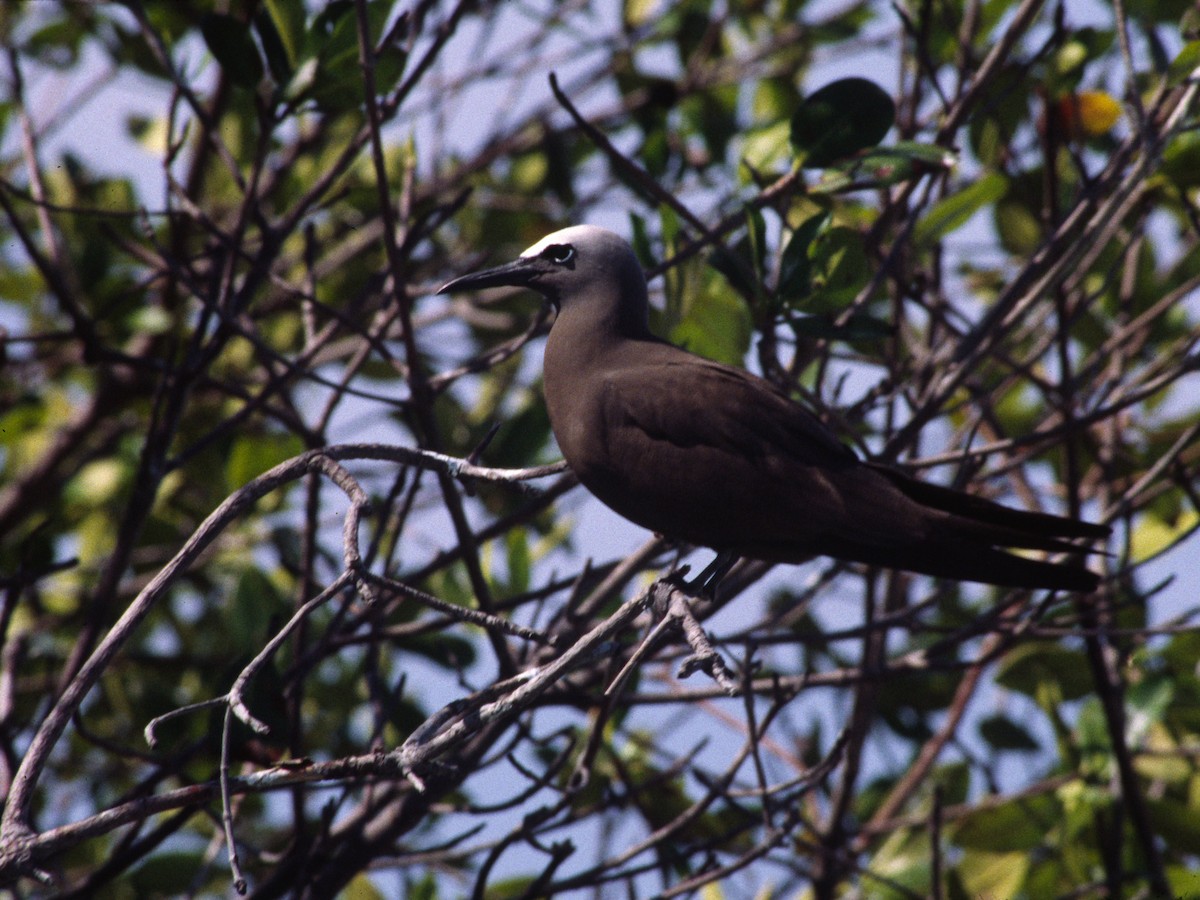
<point x="1002" y="110"/>
<point x="736" y="269"/>
<point x="519" y="561"/>
<point x="885" y="166"/>
<point x="764" y="147"/>
<point x="230" y="43"/>
<point x="1067" y="61"/>
<point x="98" y="482"/>
<point x="1005" y="734"/>
<point x="333" y="38"/>
<point x="714" y="322"/>
<point x="1148" y="702"/>
<point x="1019" y="229"/>
<point x="255" y="600"/>
<point x="955" y="781"/>
<point x="1177" y="823"/>
<point x="857" y="328"/>
<point x="987" y="874"/>
<point x="165" y="874"/>
<point x="509" y="888"/>
<point x="361" y="888"/>
<point x="447" y="650"/>
<point x="520" y="437"/>
<point x="795" y="269"/>
<point x="335" y="16"/>
<point x="273" y="47"/>
<point x="639" y="237"/>
<point x="1092" y="740"/>
<point x="742" y="263"/>
<point x="1014" y="826"/>
<point x="1184" y="880"/>
<point x="637" y="13"/>
<point x="840" y="119"/>
<point x="840" y="269"/>
<point x="1189" y="23"/>
<point x="953" y="211"/>
<point x="304" y="78"/>
<point x="287" y="17"/>
<point x="250" y="456"/>
<point x="1181" y="160"/>
<point x="902" y="862"/>
<point x="1027" y="667"/>
<point x="713" y="114"/>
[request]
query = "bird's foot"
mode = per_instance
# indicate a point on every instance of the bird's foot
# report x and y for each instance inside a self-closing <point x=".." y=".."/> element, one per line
<point x="672" y="605"/>
<point x="706" y="583"/>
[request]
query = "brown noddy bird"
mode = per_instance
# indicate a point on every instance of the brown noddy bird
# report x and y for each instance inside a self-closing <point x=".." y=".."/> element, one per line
<point x="721" y="458"/>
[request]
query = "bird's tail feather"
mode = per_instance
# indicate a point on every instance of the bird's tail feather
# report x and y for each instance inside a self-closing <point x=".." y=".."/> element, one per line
<point x="963" y="560"/>
<point x="995" y="524"/>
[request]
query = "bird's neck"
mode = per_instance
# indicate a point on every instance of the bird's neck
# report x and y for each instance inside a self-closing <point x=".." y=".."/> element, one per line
<point x="586" y="338"/>
<point x="598" y="322"/>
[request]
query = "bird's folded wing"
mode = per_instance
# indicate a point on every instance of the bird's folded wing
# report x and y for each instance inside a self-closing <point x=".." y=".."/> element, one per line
<point x="691" y="402"/>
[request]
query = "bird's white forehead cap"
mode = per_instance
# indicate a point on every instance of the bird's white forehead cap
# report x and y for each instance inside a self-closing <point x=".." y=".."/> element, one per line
<point x="577" y="235"/>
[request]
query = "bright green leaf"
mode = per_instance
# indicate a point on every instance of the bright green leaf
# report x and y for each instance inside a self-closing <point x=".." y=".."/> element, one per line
<point x="987" y="874"/>
<point x="519" y="561"/>
<point x="1152" y="536"/>
<point x="884" y="166"/>
<point x="302" y="79"/>
<point x="251" y="456"/>
<point x="952" y="212"/>
<point x="715" y="323"/>
<point x="638" y="12"/>
<point x="1184" y="879"/>
<point x="98" y="482"/>
<point x="361" y="888"/>
<point x="762" y="148"/>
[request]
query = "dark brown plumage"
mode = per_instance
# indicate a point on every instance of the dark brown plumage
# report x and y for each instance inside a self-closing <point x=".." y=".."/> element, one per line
<point x="720" y="458"/>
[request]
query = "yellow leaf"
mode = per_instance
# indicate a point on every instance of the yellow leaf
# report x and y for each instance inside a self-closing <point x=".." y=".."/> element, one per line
<point x="1098" y="112"/>
<point x="97" y="482"/>
<point x="1089" y="114"/>
<point x="1152" y="535"/>
<point x="993" y="874"/>
<point x="639" y="12"/>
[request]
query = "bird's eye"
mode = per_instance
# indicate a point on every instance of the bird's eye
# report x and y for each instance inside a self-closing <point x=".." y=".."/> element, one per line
<point x="559" y="254"/>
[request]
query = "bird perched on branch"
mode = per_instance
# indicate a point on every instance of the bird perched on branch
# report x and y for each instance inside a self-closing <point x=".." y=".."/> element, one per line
<point x="720" y="458"/>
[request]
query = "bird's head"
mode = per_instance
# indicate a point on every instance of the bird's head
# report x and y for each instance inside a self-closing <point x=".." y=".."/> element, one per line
<point x="576" y="264"/>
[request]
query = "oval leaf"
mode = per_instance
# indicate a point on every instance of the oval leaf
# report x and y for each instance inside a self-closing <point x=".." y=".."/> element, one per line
<point x="885" y="166"/>
<point x="840" y="119"/>
<point x="1005" y="734"/>
<point x="1027" y="666"/>
<point x="229" y="41"/>
<point x="795" y="269"/>
<point x="955" y="210"/>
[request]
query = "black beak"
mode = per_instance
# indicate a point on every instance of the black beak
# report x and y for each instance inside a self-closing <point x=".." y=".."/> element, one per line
<point x="518" y="273"/>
